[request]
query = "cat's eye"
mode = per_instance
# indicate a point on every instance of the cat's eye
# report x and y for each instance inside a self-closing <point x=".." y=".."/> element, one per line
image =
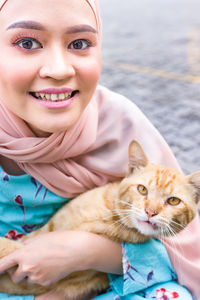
<point x="174" y="201"/>
<point x="142" y="189"/>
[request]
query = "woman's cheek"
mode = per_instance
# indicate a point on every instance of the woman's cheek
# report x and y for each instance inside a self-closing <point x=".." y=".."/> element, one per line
<point x="91" y="70"/>
<point x="15" y="73"/>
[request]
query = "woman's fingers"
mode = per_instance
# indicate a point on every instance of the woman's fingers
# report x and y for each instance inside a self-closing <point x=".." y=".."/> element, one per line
<point x="30" y="281"/>
<point x="10" y="261"/>
<point x="18" y="276"/>
<point x="7" y="262"/>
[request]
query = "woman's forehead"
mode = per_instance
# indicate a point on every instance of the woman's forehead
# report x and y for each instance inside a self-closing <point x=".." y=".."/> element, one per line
<point x="92" y="3"/>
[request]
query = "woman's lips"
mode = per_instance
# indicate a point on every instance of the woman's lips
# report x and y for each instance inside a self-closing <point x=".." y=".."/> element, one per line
<point x="53" y="99"/>
<point x="56" y="91"/>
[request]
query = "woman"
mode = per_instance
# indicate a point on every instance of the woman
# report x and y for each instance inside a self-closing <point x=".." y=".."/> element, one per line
<point x="61" y="135"/>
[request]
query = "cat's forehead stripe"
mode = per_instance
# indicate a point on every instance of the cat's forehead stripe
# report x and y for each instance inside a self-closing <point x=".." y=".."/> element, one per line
<point x="168" y="183"/>
<point x="157" y="177"/>
<point x="150" y="181"/>
<point x="164" y="178"/>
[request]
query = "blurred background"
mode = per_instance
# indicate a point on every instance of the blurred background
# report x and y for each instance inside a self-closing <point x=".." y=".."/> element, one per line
<point x="151" y="54"/>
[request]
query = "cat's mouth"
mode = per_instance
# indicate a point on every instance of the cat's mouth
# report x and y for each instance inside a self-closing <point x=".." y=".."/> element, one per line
<point x="149" y="223"/>
<point x="154" y="226"/>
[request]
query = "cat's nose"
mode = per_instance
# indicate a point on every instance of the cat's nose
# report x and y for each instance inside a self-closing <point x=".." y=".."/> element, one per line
<point x="151" y="212"/>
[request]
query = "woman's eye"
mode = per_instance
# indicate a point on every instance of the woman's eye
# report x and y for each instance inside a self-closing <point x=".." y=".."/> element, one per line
<point x="28" y="44"/>
<point x="80" y="44"/>
<point x="142" y="189"/>
<point x="173" y="201"/>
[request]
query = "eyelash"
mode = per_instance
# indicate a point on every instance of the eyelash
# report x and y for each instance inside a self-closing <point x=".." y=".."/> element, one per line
<point x="17" y="43"/>
<point x="23" y="38"/>
<point x="88" y="44"/>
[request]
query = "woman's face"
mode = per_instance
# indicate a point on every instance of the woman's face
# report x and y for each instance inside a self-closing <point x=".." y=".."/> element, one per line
<point x="49" y="62"/>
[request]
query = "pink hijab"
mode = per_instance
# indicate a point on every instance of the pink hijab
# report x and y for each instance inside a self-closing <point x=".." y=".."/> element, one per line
<point x="2" y="2"/>
<point x="93" y="4"/>
<point x="50" y="159"/>
<point x="92" y="153"/>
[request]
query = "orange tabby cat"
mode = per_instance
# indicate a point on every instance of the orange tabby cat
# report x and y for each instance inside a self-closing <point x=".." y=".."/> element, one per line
<point x="152" y="201"/>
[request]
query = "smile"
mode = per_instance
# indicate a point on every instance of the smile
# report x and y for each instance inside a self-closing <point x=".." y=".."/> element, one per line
<point x="53" y="97"/>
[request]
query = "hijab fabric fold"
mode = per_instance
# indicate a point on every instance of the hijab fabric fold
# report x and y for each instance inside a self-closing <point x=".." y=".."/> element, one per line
<point x="2" y="3"/>
<point x="49" y="159"/>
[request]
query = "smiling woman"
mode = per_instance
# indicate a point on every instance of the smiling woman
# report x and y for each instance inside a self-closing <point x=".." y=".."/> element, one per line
<point x="48" y="68"/>
<point x="65" y="135"/>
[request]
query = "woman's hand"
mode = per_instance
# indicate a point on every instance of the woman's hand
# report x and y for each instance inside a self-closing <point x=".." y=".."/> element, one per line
<point x="49" y="257"/>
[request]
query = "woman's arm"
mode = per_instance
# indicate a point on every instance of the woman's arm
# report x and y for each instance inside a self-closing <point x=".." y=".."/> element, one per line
<point x="49" y="257"/>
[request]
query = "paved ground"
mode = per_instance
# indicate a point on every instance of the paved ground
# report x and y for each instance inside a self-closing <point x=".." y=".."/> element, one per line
<point x="151" y="54"/>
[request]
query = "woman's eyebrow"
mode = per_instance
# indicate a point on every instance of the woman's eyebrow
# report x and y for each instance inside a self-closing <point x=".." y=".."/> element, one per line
<point x="26" y="25"/>
<point x="37" y="26"/>
<point x="81" y="28"/>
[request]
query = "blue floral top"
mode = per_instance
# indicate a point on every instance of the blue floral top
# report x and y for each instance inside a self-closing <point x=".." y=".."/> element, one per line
<point x="26" y="205"/>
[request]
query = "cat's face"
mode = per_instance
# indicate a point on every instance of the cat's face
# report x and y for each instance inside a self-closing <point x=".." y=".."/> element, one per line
<point x="156" y="200"/>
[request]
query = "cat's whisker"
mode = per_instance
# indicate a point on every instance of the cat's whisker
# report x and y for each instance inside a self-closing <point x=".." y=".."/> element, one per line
<point x="170" y="229"/>
<point x="117" y="212"/>
<point x="124" y="218"/>
<point x="162" y="234"/>
<point x="117" y="220"/>
<point x="111" y="215"/>
<point x="178" y="227"/>
<point x="172" y="233"/>
<point x="125" y="212"/>
<point x="163" y="220"/>
<point x="136" y="209"/>
<point x="174" y="245"/>
<point x="173" y="224"/>
<point x="130" y="212"/>
<point x="162" y="223"/>
<point x="181" y="227"/>
<point x="121" y="227"/>
<point x="129" y="205"/>
<point x="177" y="247"/>
<point x="177" y="224"/>
<point x="125" y="202"/>
<point x="166" y="229"/>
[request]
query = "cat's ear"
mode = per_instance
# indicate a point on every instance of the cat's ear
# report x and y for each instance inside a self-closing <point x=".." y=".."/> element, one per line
<point x="137" y="157"/>
<point x="194" y="180"/>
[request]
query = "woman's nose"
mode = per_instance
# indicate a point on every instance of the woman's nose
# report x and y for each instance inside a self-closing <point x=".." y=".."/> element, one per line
<point x="57" y="65"/>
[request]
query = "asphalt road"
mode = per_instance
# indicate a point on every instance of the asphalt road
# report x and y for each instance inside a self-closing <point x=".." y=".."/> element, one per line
<point x="151" y="54"/>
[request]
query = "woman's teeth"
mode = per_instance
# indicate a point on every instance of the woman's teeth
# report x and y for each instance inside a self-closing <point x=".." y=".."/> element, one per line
<point x="53" y="97"/>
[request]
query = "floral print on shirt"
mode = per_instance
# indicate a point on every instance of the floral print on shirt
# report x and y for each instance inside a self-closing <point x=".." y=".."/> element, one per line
<point x="127" y="268"/>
